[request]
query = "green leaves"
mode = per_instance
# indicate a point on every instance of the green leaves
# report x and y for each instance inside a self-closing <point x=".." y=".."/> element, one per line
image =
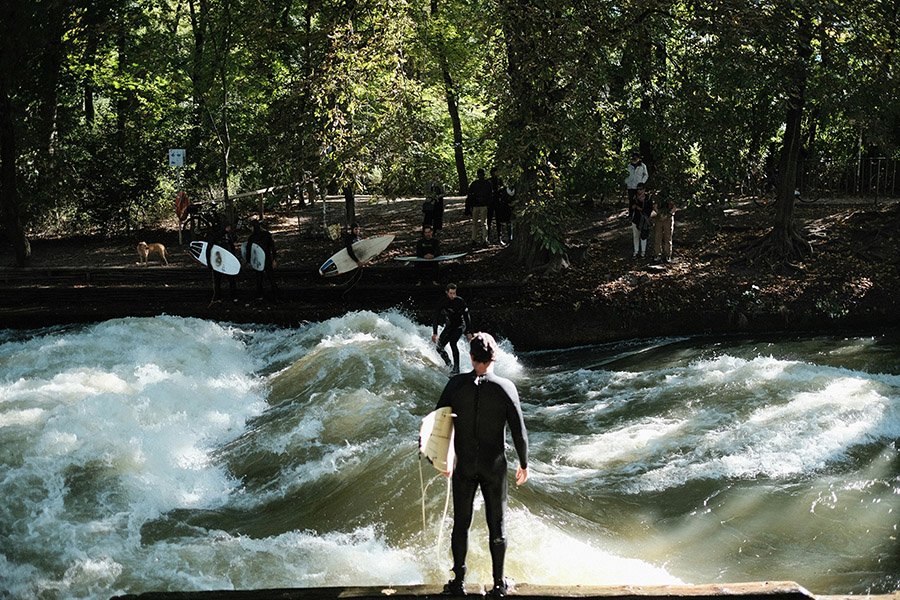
<point x="356" y="93"/>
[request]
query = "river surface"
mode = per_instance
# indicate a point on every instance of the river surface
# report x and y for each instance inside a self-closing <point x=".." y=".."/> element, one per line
<point x="181" y="454"/>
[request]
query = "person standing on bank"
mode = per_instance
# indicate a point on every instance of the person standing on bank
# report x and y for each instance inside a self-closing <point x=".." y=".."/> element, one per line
<point x="483" y="405"/>
<point x="454" y="311"/>
<point x="263" y="238"/>
<point x="504" y="213"/>
<point x="227" y="239"/>
<point x="640" y="211"/>
<point x="664" y="227"/>
<point x="477" y="202"/>
<point x="437" y="191"/>
<point x="433" y="207"/>
<point x="496" y="189"/>
<point x="637" y="173"/>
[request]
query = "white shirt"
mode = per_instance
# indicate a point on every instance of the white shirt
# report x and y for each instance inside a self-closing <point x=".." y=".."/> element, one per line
<point x="636" y="174"/>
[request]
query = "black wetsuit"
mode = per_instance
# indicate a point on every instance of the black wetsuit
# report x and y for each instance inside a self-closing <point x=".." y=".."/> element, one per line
<point x="351" y="238"/>
<point x="225" y="239"/>
<point x="457" y="321"/>
<point x="427" y="271"/>
<point x="483" y="408"/>
<point x="264" y="240"/>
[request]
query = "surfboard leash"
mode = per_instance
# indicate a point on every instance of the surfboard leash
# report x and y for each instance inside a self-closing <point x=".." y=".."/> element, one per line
<point x="356" y="277"/>
<point x="440" y="523"/>
<point x="443" y="518"/>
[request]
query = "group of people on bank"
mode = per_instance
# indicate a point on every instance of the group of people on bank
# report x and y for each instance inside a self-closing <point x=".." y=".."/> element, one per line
<point x="489" y="203"/>
<point x="228" y="239"/>
<point x="646" y="214"/>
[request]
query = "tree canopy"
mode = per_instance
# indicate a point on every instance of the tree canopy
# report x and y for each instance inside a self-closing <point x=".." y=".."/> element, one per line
<point x="381" y="96"/>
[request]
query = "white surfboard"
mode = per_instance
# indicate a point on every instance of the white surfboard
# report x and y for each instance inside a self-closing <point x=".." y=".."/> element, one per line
<point x="440" y="258"/>
<point x="216" y="258"/>
<point x="436" y="439"/>
<point x="365" y="249"/>
<point x="257" y="256"/>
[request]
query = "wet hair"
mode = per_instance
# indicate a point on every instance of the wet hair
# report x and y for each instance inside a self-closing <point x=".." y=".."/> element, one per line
<point x="483" y="347"/>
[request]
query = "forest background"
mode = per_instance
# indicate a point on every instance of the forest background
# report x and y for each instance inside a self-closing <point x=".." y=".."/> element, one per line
<point x="382" y="96"/>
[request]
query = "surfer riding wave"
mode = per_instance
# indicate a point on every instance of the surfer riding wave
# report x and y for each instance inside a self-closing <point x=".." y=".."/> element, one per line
<point x="455" y="313"/>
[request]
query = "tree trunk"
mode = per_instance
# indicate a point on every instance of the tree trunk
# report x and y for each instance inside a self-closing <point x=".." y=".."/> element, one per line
<point x="51" y="48"/>
<point x="785" y="243"/>
<point x="530" y="106"/>
<point x="226" y="129"/>
<point x="92" y="24"/>
<point x="453" y="110"/>
<point x="9" y="195"/>
<point x="199" y="26"/>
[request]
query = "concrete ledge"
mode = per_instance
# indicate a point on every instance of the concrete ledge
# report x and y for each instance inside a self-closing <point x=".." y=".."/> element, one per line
<point x="766" y="590"/>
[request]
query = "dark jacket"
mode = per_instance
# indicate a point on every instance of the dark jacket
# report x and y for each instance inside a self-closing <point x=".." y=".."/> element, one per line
<point x="640" y="212"/>
<point x="428" y="246"/>
<point x="480" y="193"/>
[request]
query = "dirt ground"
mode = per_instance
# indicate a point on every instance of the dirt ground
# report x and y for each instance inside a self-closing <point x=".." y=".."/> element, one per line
<point x="849" y="283"/>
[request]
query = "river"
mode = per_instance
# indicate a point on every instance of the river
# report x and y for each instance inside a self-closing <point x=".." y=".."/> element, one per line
<point x="173" y="453"/>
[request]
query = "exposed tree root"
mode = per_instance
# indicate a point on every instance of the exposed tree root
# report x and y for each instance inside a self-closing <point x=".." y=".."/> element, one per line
<point x="780" y="248"/>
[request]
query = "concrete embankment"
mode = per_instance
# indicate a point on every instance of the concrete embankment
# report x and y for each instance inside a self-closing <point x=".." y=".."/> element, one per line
<point x="41" y="297"/>
<point x="767" y="590"/>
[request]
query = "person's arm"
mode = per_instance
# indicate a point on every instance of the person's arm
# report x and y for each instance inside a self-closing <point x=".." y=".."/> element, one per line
<point x="467" y="319"/>
<point x="516" y="422"/>
<point x="644" y="173"/>
<point x="348" y="244"/>
<point x="272" y="249"/>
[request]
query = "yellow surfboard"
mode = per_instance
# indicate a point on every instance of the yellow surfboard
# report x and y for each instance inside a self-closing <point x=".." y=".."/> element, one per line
<point x="436" y="439"/>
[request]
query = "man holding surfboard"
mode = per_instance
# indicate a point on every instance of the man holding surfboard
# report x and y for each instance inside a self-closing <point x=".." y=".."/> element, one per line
<point x="483" y="406"/>
<point x="262" y="238"/>
<point x="429" y="247"/>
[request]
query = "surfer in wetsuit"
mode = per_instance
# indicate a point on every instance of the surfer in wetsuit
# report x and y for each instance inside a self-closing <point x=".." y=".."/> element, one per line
<point x="456" y="318"/>
<point x="351" y="237"/>
<point x="428" y="246"/>
<point x="226" y="238"/>
<point x="263" y="238"/>
<point x="483" y="405"/>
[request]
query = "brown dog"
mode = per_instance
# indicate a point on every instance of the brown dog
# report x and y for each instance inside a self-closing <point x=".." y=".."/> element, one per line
<point x="144" y="250"/>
